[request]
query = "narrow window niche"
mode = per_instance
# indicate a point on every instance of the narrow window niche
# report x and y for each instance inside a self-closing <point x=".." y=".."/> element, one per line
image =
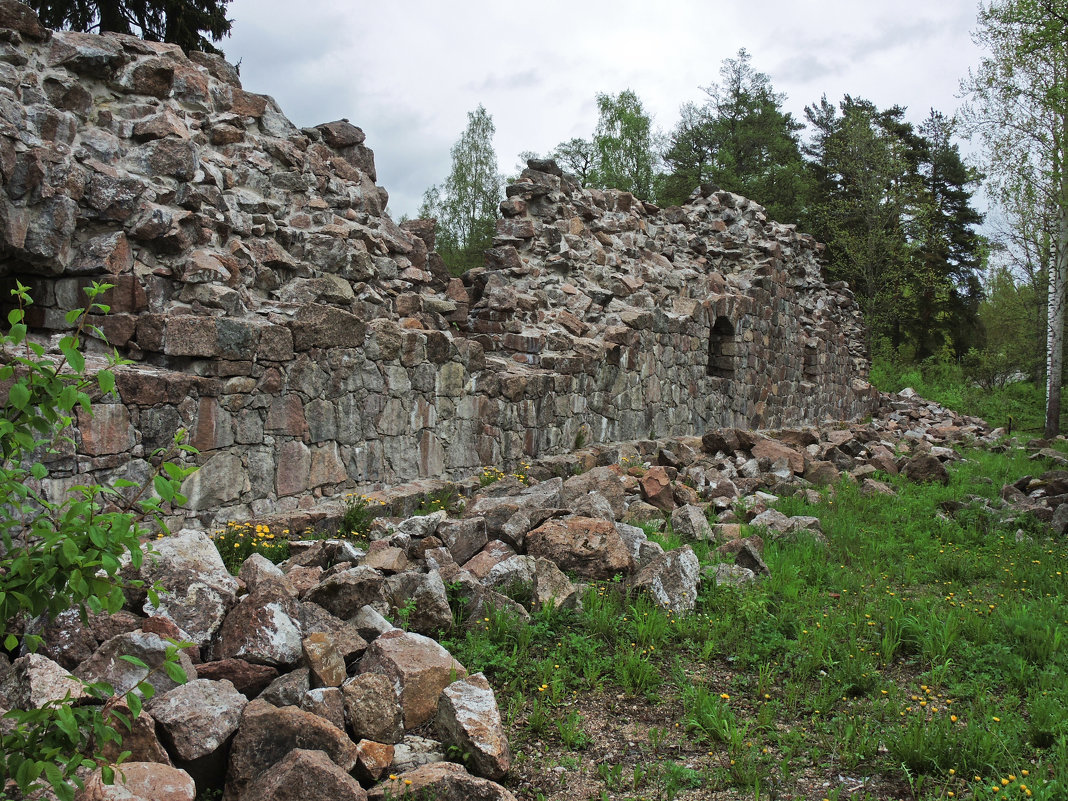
<point x="722" y="349"/>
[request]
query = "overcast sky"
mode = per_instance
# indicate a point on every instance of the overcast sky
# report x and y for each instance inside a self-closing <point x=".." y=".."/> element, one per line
<point x="408" y="71"/>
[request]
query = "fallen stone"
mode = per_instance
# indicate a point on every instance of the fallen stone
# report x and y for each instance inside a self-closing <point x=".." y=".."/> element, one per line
<point x="587" y="547"/>
<point x="266" y="734"/>
<point x="107" y="665"/>
<point x="304" y="775"/>
<point x="141" y="781"/>
<point x="690" y="521"/>
<point x="264" y="628"/>
<point x="372" y="760"/>
<point x="443" y="781"/>
<point x="372" y="709"/>
<point x="671" y="580"/>
<point x="197" y="720"/>
<point x="656" y="488"/>
<point x="925" y="468"/>
<point x="418" y="669"/>
<point x="468" y="719"/>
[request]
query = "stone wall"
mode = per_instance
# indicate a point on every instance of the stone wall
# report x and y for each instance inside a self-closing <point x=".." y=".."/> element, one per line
<point x="309" y="344"/>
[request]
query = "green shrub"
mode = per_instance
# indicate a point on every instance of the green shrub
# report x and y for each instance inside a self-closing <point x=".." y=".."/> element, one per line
<point x="65" y="553"/>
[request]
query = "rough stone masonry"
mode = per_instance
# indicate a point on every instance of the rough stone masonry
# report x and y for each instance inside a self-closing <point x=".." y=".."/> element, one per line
<point x="309" y="344"/>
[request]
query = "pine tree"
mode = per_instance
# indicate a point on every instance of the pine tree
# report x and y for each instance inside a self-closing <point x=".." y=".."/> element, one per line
<point x="181" y="22"/>
<point x="742" y="141"/>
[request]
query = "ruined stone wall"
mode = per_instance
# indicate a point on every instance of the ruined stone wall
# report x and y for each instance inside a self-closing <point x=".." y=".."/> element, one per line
<point x="310" y="344"/>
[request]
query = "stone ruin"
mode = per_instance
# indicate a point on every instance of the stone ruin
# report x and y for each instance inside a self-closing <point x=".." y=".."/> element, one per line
<point x="310" y="344"/>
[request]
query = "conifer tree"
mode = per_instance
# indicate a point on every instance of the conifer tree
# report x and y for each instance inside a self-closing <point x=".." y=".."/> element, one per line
<point x="187" y="23"/>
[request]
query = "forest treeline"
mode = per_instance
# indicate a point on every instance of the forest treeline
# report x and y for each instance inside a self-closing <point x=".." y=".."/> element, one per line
<point x="894" y="201"/>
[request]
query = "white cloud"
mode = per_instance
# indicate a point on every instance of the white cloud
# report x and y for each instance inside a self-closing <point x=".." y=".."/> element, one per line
<point x="408" y="72"/>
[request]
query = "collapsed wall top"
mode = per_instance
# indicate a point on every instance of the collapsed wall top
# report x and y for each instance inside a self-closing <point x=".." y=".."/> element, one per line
<point x="308" y="343"/>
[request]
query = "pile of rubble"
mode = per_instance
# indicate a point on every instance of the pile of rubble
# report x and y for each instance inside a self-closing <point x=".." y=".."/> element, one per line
<point x="300" y="684"/>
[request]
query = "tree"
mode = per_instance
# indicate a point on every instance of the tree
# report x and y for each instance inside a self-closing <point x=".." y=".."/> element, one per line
<point x="950" y="252"/>
<point x="624" y="145"/>
<point x="741" y="140"/>
<point x="180" y="22"/>
<point x="466" y="205"/>
<point x="1019" y="109"/>
<point x="578" y="157"/>
<point x="894" y="207"/>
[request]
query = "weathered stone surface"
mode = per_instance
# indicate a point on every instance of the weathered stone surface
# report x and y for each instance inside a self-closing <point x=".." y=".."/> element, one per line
<point x="925" y="468"/>
<point x="468" y="718"/>
<point x="199" y="590"/>
<point x="588" y="547"/>
<point x="35" y="680"/>
<point x="344" y="593"/>
<point x="372" y="760"/>
<point x="304" y="775"/>
<point x="463" y="538"/>
<point x="264" y="628"/>
<point x="106" y="665"/>
<point x="324" y="661"/>
<point x="326" y="702"/>
<point x="774" y="452"/>
<point x="425" y="594"/>
<point x="605" y="481"/>
<point x="445" y="781"/>
<point x="691" y="522"/>
<point x="671" y="580"/>
<point x="141" y="781"/>
<point x="482" y="563"/>
<point x="266" y="734"/>
<point x="656" y="488"/>
<point x="140" y="739"/>
<point x="418" y="669"/>
<point x="288" y="689"/>
<point x="730" y="575"/>
<point x="248" y="679"/>
<point x="197" y="720"/>
<point x="372" y="708"/>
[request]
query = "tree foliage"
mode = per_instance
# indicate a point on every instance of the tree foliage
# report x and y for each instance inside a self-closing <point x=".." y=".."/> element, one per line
<point x="742" y="141"/>
<point x="187" y="23"/>
<point x="66" y="553"/>
<point x="624" y="145"/>
<point x="1019" y="110"/>
<point x="466" y="205"/>
<point x="894" y="206"/>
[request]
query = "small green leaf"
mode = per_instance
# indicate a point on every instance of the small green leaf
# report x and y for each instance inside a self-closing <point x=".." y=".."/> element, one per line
<point x="174" y="670"/>
<point x="106" y="380"/>
<point x="72" y="316"/>
<point x="134" y="703"/>
<point x="133" y="660"/>
<point x="11" y="642"/>
<point x="164" y="488"/>
<point x="18" y="396"/>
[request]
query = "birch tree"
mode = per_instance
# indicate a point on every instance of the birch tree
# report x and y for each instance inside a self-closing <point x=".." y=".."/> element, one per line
<point x="1019" y="109"/>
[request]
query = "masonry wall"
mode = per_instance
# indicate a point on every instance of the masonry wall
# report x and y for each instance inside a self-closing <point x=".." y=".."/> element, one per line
<point x="309" y="344"/>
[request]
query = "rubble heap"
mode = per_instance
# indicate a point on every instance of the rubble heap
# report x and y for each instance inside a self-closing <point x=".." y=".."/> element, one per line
<point x="309" y="344"/>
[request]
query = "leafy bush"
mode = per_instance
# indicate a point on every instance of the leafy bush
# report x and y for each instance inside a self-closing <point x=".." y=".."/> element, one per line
<point x="64" y="553"/>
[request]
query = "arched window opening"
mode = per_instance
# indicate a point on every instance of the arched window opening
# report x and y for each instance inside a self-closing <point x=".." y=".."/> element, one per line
<point x="722" y="349"/>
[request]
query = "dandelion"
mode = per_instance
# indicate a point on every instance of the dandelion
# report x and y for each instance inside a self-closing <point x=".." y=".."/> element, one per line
<point x="724" y="696"/>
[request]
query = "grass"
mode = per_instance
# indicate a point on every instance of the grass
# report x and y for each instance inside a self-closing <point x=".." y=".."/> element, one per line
<point x="926" y="653"/>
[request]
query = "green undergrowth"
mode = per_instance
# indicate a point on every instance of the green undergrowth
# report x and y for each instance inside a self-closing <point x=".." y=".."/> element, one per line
<point x="924" y="651"/>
